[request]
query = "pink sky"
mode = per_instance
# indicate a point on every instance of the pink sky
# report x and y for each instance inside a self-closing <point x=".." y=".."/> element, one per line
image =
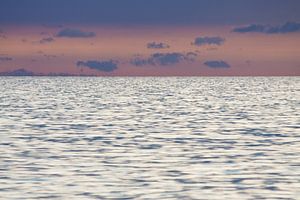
<point x="247" y="54"/>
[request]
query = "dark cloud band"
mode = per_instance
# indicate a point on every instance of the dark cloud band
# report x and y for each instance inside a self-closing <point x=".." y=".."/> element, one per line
<point x="46" y="40"/>
<point x="288" y="27"/>
<point x="5" y="59"/>
<point x="74" y="33"/>
<point x="217" y="64"/>
<point x="17" y="72"/>
<point x="157" y="45"/>
<point x="163" y="59"/>
<point x="105" y="65"/>
<point x="200" y="41"/>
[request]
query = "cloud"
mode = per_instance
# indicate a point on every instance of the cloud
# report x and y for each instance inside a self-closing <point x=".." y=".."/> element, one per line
<point x="74" y="33"/>
<point x="46" y="40"/>
<point x="191" y="56"/>
<point x="163" y="59"/>
<point x="160" y="45"/>
<point x="2" y="34"/>
<point x="25" y="72"/>
<point x="288" y="27"/>
<point x="43" y="33"/>
<point x="200" y="41"/>
<point x="249" y="28"/>
<point x="49" y="56"/>
<point x="105" y="65"/>
<point x="18" y="72"/>
<point x="217" y="64"/>
<point x="5" y="59"/>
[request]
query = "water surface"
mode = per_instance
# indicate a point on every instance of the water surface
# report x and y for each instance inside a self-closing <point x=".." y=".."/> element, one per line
<point x="149" y="138"/>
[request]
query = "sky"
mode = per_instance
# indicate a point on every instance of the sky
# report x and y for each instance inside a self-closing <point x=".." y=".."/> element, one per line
<point x="150" y="37"/>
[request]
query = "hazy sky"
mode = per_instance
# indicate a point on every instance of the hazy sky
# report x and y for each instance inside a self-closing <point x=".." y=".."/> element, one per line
<point x="151" y="37"/>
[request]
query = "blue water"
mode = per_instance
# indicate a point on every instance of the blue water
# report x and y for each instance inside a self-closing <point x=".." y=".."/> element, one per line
<point x="149" y="138"/>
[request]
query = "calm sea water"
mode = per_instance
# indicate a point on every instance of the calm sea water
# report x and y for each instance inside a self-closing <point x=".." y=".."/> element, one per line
<point x="149" y="138"/>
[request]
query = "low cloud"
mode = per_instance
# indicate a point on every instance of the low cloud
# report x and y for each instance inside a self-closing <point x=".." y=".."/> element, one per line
<point x="200" y="41"/>
<point x="25" y="72"/>
<point x="2" y="59"/>
<point x="288" y="27"/>
<point x="155" y="45"/>
<point x="217" y="64"/>
<point x="163" y="59"/>
<point x="74" y="33"/>
<point x="17" y="72"/>
<point x="104" y="65"/>
<point x="46" y="40"/>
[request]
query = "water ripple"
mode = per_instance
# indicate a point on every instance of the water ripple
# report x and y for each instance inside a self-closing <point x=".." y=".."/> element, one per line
<point x="149" y="138"/>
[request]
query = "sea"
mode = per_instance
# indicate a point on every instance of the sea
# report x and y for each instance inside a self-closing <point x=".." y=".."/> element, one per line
<point x="150" y="138"/>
